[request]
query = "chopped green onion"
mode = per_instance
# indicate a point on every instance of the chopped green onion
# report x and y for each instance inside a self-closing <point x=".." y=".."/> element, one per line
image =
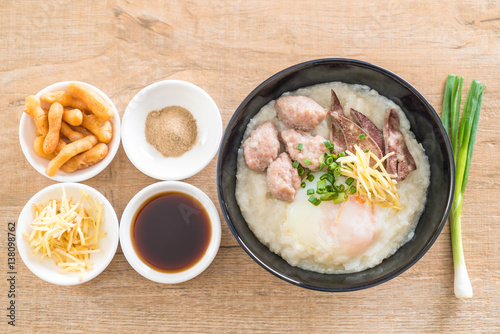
<point x="352" y="190"/>
<point x="349" y="181"/>
<point x="300" y="147"/>
<point x="323" y="157"/>
<point x="310" y="191"/>
<point x="322" y="177"/>
<point x="301" y="170"/>
<point x="336" y="172"/>
<point x="310" y="177"/>
<point x="328" y="145"/>
<point x="329" y="160"/>
<point x="330" y="178"/>
<point x="341" y="187"/>
<point x="367" y="150"/>
<point x="327" y="196"/>
<point x="340" y="198"/>
<point x="307" y="161"/>
<point x="321" y="185"/>
<point x="329" y="188"/>
<point x="341" y="154"/>
<point x="362" y="136"/>
<point x="303" y="185"/>
<point x="322" y="166"/>
<point x="295" y="164"/>
<point x="314" y="200"/>
<point x="462" y="141"/>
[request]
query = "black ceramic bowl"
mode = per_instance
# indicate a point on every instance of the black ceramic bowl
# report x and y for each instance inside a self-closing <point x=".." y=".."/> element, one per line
<point x="426" y="126"/>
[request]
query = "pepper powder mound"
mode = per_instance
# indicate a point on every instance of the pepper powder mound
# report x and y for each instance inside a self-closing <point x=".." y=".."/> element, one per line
<point x="171" y="130"/>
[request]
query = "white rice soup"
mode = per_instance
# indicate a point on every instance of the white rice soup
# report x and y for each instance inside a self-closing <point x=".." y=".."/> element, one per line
<point x="331" y="238"/>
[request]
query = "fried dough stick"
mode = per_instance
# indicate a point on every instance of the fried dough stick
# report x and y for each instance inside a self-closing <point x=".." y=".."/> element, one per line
<point x="55" y="118"/>
<point x="33" y="108"/>
<point x="86" y="159"/>
<point x="99" y="127"/>
<point x="64" y="98"/>
<point x="95" y="102"/>
<point x="70" y="151"/>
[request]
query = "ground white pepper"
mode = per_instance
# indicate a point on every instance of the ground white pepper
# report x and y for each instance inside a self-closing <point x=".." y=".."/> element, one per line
<point x="171" y="130"/>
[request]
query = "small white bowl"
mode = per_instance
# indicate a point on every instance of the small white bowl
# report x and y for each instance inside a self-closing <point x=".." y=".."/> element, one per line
<point x="47" y="269"/>
<point x="128" y="217"/>
<point x="156" y="97"/>
<point x="27" y="136"/>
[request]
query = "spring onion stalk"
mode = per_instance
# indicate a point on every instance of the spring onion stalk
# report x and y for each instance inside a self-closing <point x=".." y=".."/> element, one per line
<point x="463" y="137"/>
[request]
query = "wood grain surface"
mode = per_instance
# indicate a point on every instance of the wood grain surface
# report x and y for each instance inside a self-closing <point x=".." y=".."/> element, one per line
<point x="228" y="48"/>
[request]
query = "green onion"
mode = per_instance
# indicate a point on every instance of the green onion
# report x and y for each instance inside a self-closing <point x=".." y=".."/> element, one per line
<point x="322" y="166"/>
<point x="330" y="178"/>
<point x="362" y="136"/>
<point x="342" y="154"/>
<point x="295" y="164"/>
<point x="340" y="198"/>
<point x="300" y="147"/>
<point x="462" y="142"/>
<point x="301" y="170"/>
<point x="349" y="181"/>
<point x="367" y="150"/>
<point x="329" y="188"/>
<point x="341" y="187"/>
<point x="328" y="144"/>
<point x="352" y="190"/>
<point x="314" y="200"/>
<point x="327" y="196"/>
<point x="303" y="185"/>
<point x="310" y="177"/>
<point x="336" y="172"/>
<point x="307" y="161"/>
<point x="321" y="185"/>
<point x="310" y="191"/>
<point x="322" y="177"/>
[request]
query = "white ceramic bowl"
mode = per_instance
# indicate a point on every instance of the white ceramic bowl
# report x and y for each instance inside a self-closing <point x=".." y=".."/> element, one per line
<point x="126" y="223"/>
<point x="27" y="136"/>
<point x="47" y="269"/>
<point x="156" y="97"/>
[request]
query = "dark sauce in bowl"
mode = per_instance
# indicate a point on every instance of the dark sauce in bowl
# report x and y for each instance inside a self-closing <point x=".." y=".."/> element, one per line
<point x="171" y="232"/>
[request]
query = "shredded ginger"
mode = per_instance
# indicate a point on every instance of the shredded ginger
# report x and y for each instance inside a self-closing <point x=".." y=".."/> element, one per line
<point x="374" y="184"/>
<point x="65" y="232"/>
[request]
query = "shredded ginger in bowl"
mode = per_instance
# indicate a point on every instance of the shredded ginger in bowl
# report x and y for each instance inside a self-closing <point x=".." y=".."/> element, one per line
<point x="67" y="232"/>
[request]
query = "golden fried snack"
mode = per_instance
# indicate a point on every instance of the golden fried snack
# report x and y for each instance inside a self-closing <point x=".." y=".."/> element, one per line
<point x="72" y="116"/>
<point x="32" y="104"/>
<point x="60" y="145"/>
<point x="81" y="129"/>
<point x="69" y="133"/>
<point x="55" y="119"/>
<point x="64" y="98"/>
<point x="96" y="103"/>
<point x="99" y="127"/>
<point x="68" y="152"/>
<point x="38" y="147"/>
<point x="86" y="159"/>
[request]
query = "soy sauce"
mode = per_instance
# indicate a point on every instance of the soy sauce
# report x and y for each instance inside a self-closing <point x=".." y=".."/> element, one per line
<point x="171" y="232"/>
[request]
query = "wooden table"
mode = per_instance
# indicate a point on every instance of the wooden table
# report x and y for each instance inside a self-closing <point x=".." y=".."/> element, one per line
<point x="228" y="48"/>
